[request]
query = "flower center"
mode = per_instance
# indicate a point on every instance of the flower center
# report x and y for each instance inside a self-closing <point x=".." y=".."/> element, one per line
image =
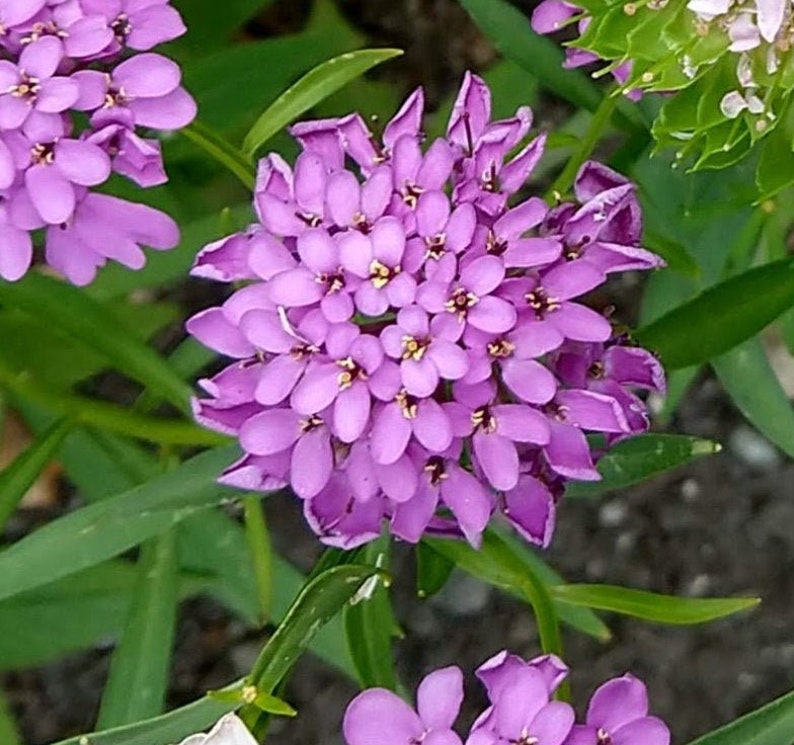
<point x="27" y="87"/>
<point x="43" y="153"/>
<point x="334" y="282"/>
<point x="351" y="372"/>
<point x="483" y="419"/>
<point x="495" y="246"/>
<point x="361" y="223"/>
<point x="408" y="404"/>
<point x="299" y="351"/>
<point x="501" y="348"/>
<point x="461" y="301"/>
<point x="434" y="468"/>
<point x="44" y="29"/>
<point x="381" y="275"/>
<point x="411" y="193"/>
<point x="597" y="371"/>
<point x="121" y="28"/>
<point x="603" y="737"/>
<point x="541" y="303"/>
<point x="435" y="246"/>
<point x="312" y="221"/>
<point x="307" y="425"/>
<point x="413" y="348"/>
<point x="490" y="180"/>
<point x="115" y="96"/>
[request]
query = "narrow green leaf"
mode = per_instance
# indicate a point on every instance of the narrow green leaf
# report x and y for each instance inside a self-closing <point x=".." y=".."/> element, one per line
<point x="772" y="724"/>
<point x="312" y="88"/>
<point x="20" y="475"/>
<point x="9" y="734"/>
<point x="497" y="563"/>
<point x="432" y="570"/>
<point x="651" y="606"/>
<point x="222" y="151"/>
<point x="107" y="528"/>
<point x="640" y="458"/>
<point x="319" y="601"/>
<point x="163" y="730"/>
<point x="72" y="312"/>
<point x="107" y="416"/>
<point x="722" y="316"/>
<point x="273" y="705"/>
<point x="369" y="624"/>
<point x="138" y="677"/>
<point x="579" y="618"/>
<point x="748" y="378"/>
<point x="261" y="551"/>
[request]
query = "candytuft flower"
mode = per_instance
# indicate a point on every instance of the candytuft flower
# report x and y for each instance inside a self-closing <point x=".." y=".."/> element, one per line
<point x="412" y="347"/>
<point x="521" y="709"/>
<point x="74" y="95"/>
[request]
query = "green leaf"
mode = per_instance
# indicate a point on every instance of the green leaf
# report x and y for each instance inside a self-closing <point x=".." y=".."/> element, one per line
<point x="163" y="730"/>
<point x="368" y="626"/>
<point x="508" y="28"/>
<point x="19" y="476"/>
<point x="312" y="88"/>
<point x="581" y="619"/>
<point x="651" y="606"/>
<point x="107" y="528"/>
<point x="261" y="553"/>
<point x="747" y="376"/>
<point x="222" y="151"/>
<point x="640" y="458"/>
<point x="432" y="570"/>
<point x="497" y="563"/>
<point x="772" y="724"/>
<point x="722" y="316"/>
<point x="72" y="312"/>
<point x="85" y="607"/>
<point x="139" y="668"/>
<point x="319" y="601"/>
<point x="107" y="416"/>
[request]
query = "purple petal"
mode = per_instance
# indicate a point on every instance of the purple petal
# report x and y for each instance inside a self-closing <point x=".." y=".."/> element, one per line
<point x="351" y="412"/>
<point x="16" y="252"/>
<point x="81" y="162"/>
<point x="618" y="702"/>
<point x="553" y="723"/>
<point x="593" y="411"/>
<point x="531" y="509"/>
<point x="399" y="480"/>
<point x="366" y="714"/>
<point x="51" y="193"/>
<point x="391" y="432"/>
<point x="407" y="121"/>
<point x="568" y="453"/>
<point x="519" y="703"/>
<point x="493" y="315"/>
<point x="648" y="731"/>
<point x="278" y="378"/>
<point x="439" y="697"/>
<point x="270" y="432"/>
<point x="529" y="380"/>
<point x="317" y="390"/>
<point x="579" y="323"/>
<point x="498" y="459"/>
<point x="550" y="15"/>
<point x="483" y="275"/>
<point x="147" y="75"/>
<point x="432" y="427"/>
<point x="451" y="361"/>
<point x="410" y="519"/>
<point x="521" y="423"/>
<point x="294" y="288"/>
<point x="420" y="377"/>
<point x="312" y="463"/>
<point x="468" y="501"/>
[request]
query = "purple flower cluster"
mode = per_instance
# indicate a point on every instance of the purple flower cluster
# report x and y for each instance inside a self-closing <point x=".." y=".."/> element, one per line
<point x="521" y="710"/>
<point x="409" y="345"/>
<point x="77" y="83"/>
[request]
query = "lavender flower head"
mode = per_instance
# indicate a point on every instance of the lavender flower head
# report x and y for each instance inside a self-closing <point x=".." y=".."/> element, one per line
<point x="410" y="344"/>
<point x="78" y="87"/>
<point x="521" y="710"/>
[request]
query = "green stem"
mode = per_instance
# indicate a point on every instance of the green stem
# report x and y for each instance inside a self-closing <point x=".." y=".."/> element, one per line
<point x="107" y="416"/>
<point x="547" y="622"/>
<point x="223" y="151"/>
<point x="258" y="536"/>
<point x="595" y="131"/>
